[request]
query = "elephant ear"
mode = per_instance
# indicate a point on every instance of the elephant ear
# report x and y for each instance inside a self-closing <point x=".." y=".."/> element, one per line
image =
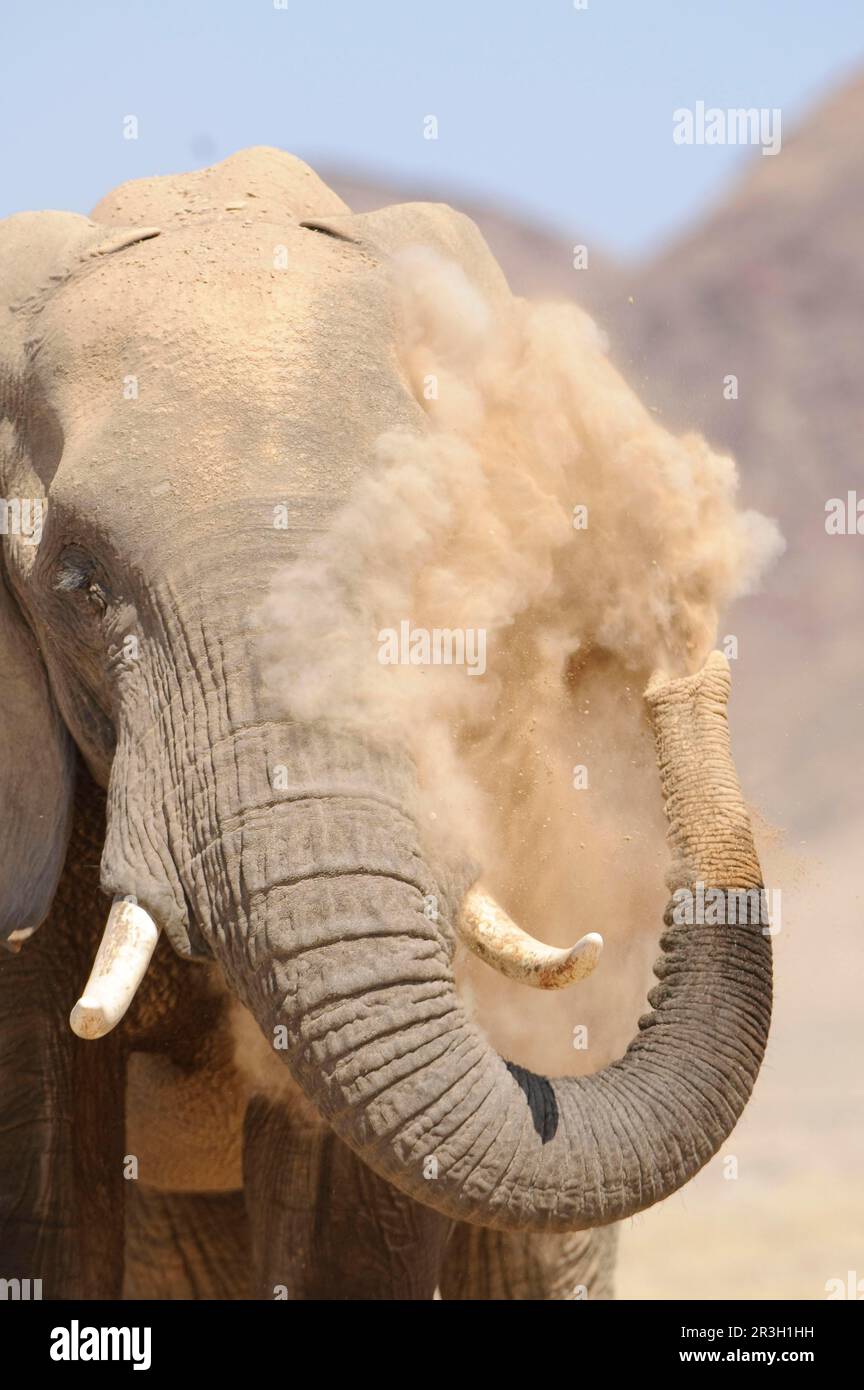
<point x="453" y="235"/>
<point x="36" y="780"/>
<point x="37" y="758"/>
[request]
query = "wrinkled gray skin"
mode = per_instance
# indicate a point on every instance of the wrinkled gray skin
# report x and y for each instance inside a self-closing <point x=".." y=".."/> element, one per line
<point x="259" y="386"/>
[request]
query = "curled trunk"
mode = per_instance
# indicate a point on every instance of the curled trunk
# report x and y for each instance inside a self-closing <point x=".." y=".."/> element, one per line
<point x="349" y="963"/>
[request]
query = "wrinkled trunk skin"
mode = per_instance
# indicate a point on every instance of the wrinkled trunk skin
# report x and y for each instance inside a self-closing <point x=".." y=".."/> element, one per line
<point x="347" y="962"/>
<point x="314" y="898"/>
<point x="61" y="1099"/>
<point x="376" y="1036"/>
<point x="345" y="959"/>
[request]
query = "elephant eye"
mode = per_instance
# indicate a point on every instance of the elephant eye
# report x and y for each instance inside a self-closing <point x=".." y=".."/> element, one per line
<point x="76" y="573"/>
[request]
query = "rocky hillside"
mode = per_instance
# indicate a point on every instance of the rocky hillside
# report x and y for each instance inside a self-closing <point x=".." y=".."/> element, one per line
<point x="769" y="289"/>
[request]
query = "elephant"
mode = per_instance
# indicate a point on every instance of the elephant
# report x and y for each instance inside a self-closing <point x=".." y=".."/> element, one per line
<point x="163" y="387"/>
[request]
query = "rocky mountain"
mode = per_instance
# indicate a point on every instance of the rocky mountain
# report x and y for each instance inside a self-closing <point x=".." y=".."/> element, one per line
<point x="769" y="289"/>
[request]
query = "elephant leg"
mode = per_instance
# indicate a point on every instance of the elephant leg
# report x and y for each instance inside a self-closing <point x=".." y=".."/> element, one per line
<point x="484" y="1264"/>
<point x="323" y="1225"/>
<point x="186" y="1245"/>
<point x="61" y="1099"/>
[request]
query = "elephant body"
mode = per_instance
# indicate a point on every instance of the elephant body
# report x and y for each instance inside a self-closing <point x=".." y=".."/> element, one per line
<point x="204" y="1212"/>
<point x="209" y="352"/>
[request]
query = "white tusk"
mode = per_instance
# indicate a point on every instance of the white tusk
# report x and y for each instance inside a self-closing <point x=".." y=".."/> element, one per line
<point x="495" y="938"/>
<point x="23" y="934"/>
<point x="15" y="940"/>
<point x="127" y="945"/>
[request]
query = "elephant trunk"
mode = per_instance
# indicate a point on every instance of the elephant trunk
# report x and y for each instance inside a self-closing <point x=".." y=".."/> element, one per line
<point x="345" y="960"/>
<point x="299" y="851"/>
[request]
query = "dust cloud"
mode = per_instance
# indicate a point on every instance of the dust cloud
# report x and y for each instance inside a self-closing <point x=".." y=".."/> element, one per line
<point x="546" y="508"/>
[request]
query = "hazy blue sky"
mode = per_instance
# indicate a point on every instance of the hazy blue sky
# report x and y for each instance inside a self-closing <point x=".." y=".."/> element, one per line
<point x="564" y="113"/>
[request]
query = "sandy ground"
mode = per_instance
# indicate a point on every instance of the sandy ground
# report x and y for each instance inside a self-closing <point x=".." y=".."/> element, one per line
<point x="793" y="1218"/>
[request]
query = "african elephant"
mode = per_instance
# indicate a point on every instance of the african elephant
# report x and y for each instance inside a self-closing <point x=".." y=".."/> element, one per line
<point x="173" y="369"/>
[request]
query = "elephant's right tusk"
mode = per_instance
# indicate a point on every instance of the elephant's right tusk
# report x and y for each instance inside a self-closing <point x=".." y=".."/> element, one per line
<point x="495" y="938"/>
<point x="127" y="945"/>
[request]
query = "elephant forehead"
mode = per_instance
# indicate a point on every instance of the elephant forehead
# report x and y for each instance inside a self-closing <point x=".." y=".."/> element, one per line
<point x="248" y="358"/>
<point x="218" y="305"/>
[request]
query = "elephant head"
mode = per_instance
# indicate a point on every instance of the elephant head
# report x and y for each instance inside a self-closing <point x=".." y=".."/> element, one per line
<point x="200" y="354"/>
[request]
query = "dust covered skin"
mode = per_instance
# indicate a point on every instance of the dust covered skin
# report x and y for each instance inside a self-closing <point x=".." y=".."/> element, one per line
<point x="271" y="432"/>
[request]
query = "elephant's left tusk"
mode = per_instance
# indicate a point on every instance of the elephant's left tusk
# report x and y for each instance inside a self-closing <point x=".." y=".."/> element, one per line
<point x="127" y="945"/>
<point x="495" y="938"/>
<point x="15" y="940"/>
